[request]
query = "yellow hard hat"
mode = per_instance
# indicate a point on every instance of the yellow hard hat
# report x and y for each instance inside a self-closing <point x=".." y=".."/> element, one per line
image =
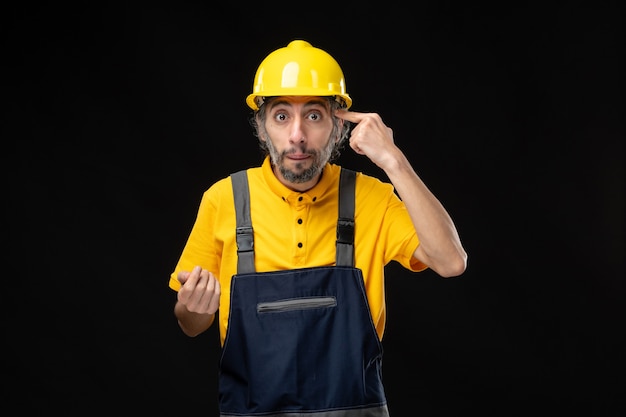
<point x="299" y="69"/>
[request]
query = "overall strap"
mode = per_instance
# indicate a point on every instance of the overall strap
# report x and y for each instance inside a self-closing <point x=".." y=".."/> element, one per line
<point x="245" y="235"/>
<point x="345" y="223"/>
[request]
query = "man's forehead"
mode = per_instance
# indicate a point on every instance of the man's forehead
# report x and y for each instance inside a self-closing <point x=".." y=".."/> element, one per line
<point x="305" y="100"/>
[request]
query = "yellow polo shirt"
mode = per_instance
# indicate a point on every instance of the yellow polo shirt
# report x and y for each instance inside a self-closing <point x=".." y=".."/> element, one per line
<point x="298" y="230"/>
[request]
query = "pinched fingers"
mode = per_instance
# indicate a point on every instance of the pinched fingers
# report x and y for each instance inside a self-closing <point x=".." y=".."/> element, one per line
<point x="200" y="292"/>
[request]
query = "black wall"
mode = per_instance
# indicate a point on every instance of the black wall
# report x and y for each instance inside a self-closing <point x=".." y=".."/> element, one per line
<point x="117" y="117"/>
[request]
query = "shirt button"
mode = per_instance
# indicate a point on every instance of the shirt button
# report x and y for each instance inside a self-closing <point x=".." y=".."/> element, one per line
<point x="299" y="244"/>
<point x="299" y="221"/>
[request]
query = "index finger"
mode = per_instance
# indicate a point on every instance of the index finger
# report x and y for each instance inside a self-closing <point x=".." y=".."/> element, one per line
<point x="351" y="116"/>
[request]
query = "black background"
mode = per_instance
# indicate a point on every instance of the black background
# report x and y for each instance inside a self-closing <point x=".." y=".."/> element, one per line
<point x="118" y="116"/>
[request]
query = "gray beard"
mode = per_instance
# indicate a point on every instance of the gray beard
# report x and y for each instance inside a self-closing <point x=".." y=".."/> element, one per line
<point x="319" y="161"/>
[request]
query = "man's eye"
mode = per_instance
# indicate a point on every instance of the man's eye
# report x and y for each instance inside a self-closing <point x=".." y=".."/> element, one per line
<point x="314" y="116"/>
<point x="281" y="116"/>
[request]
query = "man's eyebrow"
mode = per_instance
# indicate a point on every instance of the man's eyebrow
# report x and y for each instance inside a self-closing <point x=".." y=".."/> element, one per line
<point x="318" y="101"/>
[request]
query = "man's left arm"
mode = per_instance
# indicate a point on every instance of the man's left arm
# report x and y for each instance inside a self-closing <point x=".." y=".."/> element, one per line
<point x="440" y="246"/>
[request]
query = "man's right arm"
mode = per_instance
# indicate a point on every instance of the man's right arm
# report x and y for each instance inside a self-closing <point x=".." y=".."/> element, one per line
<point x="192" y="324"/>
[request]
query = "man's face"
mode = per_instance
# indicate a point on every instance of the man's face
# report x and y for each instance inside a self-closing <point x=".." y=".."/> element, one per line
<point x="299" y="139"/>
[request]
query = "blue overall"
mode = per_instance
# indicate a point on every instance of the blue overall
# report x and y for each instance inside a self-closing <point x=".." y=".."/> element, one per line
<point x="300" y="342"/>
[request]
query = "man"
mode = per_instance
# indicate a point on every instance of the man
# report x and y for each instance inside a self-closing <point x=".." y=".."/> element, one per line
<point x="291" y="261"/>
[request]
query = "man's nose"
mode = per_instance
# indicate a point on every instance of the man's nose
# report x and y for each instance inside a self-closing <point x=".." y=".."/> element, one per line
<point x="297" y="133"/>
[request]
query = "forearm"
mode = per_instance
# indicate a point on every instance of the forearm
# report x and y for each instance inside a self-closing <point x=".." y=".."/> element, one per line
<point x="440" y="246"/>
<point x="192" y="324"/>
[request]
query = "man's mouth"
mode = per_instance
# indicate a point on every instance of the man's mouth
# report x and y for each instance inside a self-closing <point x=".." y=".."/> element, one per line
<point x="298" y="156"/>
